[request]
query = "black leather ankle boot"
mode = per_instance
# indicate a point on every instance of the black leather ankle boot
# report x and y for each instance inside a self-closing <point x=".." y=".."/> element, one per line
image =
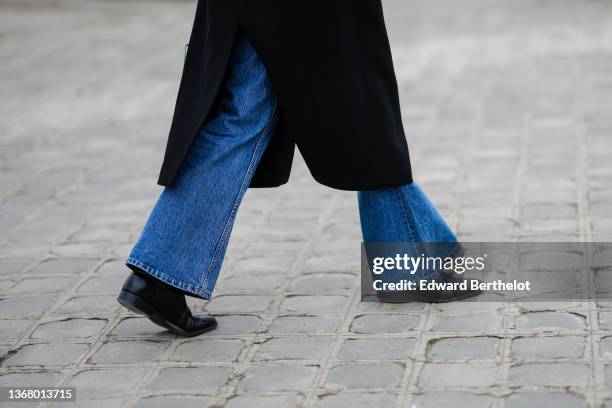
<point x="163" y="305"/>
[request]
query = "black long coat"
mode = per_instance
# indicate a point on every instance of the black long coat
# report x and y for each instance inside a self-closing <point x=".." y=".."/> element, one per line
<point x="330" y="66"/>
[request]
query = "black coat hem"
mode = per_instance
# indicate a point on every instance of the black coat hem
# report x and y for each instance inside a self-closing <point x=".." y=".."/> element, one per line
<point x="361" y="186"/>
<point x="271" y="183"/>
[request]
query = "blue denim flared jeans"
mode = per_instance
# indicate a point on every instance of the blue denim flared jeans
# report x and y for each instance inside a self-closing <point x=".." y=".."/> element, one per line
<point x="184" y="240"/>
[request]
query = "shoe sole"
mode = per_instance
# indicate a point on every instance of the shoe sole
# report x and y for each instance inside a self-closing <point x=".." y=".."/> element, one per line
<point x="410" y="297"/>
<point x="140" y="306"/>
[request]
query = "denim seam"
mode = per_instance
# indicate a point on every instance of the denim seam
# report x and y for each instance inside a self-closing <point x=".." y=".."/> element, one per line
<point x="241" y="192"/>
<point x="430" y="273"/>
<point x="407" y="223"/>
<point x="169" y="279"/>
<point x="403" y="210"/>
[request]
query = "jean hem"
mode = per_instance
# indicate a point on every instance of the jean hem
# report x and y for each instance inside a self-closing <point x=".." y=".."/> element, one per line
<point x="195" y="291"/>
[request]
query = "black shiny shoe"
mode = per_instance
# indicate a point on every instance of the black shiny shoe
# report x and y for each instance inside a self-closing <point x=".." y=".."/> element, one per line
<point x="433" y="296"/>
<point x="163" y="305"/>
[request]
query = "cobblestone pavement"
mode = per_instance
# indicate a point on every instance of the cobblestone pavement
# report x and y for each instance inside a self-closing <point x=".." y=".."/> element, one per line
<point x="507" y="110"/>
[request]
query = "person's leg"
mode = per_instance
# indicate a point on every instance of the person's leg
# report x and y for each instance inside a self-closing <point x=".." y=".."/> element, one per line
<point x="184" y="240"/>
<point x="405" y="215"/>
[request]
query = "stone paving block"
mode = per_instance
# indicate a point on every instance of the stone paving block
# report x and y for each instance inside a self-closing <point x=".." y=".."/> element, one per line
<point x="602" y="304"/>
<point x="468" y="323"/>
<point x="21" y="251"/>
<point x="10" y="330"/>
<point x="546" y="321"/>
<point x="123" y="251"/>
<point x="88" y="249"/>
<point x="608" y="374"/>
<point x="601" y="209"/>
<point x="35" y="233"/>
<point x="470" y="308"/>
<point x="31" y="379"/>
<point x="267" y="401"/>
<point x="113" y="267"/>
<point x="312" y="203"/>
<point x="42" y="285"/>
<point x="324" y="282"/>
<point x="5" y="284"/>
<point x="237" y="324"/>
<point x="356" y="400"/>
<point x="46" y="354"/>
<point x="549" y="260"/>
<point x="484" y="226"/>
<point x="190" y="378"/>
<point x="339" y="230"/>
<point x="99" y="234"/>
<point x="90" y="304"/>
<point x="542" y="306"/>
<point x="266" y="265"/>
<point x="444" y="375"/>
<point x="102" y="283"/>
<point x="208" y="350"/>
<point x="462" y="348"/>
<point x="128" y="352"/>
<point x="550" y="374"/>
<point x="70" y="328"/>
<point x="332" y="263"/>
<point x="107" y="381"/>
<point x="525" y="348"/>
<point x="249" y="283"/>
<point x="239" y="303"/>
<point x="13" y="266"/>
<point x="387" y="323"/>
<point x="274" y="377"/>
<point x="326" y="247"/>
<point x="314" y="303"/>
<point x="289" y="224"/>
<point x="537" y="400"/>
<point x="488" y="212"/>
<point x="549" y="210"/>
<point x="566" y="226"/>
<point x="383" y="348"/>
<point x="304" y="324"/>
<point x="107" y="221"/>
<point x="293" y="348"/>
<point x="603" y="279"/>
<point x="369" y="307"/>
<point x="64" y="266"/>
<point x="452" y="399"/>
<point x="358" y="376"/>
<point x="177" y="401"/>
<point x="602" y="259"/>
<point x="274" y="247"/>
<point x="606" y="347"/>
